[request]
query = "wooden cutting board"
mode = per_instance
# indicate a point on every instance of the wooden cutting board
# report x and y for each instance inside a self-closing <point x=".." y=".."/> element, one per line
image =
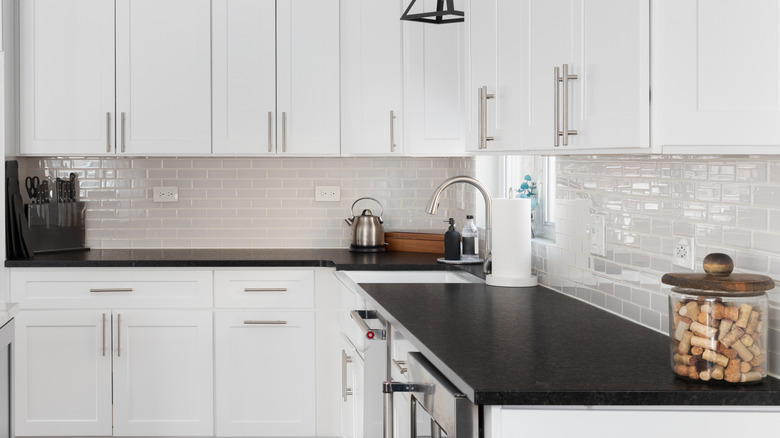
<point x="415" y="242"/>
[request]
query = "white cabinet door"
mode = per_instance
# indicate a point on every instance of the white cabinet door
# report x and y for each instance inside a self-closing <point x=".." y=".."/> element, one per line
<point x="371" y="91"/>
<point x="307" y="53"/>
<point x="716" y="75"/>
<point x="265" y="367"/>
<point x="163" y="373"/>
<point x="434" y="88"/>
<point x="605" y="43"/>
<point x="63" y="373"/>
<point x="163" y="66"/>
<point x="244" y="69"/>
<point x="495" y="62"/>
<point x="66" y="77"/>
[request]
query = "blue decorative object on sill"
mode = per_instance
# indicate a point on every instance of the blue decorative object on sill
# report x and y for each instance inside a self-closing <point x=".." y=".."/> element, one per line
<point x="528" y="190"/>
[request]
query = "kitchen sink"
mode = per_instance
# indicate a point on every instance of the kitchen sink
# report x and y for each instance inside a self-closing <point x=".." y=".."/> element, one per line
<point x="411" y="277"/>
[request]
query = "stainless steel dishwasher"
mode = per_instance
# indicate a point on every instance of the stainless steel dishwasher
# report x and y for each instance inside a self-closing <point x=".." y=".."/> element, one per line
<point x="436" y="407"/>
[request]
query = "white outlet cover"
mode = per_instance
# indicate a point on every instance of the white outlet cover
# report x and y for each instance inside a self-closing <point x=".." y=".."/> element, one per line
<point x="682" y="254"/>
<point x="598" y="235"/>
<point x="165" y="194"/>
<point x="327" y="193"/>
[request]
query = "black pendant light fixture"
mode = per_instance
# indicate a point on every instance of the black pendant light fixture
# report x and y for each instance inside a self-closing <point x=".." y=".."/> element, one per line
<point x="440" y="16"/>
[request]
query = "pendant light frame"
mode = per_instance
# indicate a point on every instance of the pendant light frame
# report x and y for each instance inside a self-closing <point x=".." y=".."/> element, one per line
<point x="437" y="17"/>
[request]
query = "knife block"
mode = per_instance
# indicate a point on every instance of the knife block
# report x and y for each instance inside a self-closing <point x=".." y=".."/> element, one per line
<point x="58" y="226"/>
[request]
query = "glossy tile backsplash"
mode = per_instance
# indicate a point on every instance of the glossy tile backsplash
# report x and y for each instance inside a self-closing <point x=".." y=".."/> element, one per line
<point x="253" y="202"/>
<point x="728" y="204"/>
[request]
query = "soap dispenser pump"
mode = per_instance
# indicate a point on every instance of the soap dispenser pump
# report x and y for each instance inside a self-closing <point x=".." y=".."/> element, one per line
<point x="451" y="242"/>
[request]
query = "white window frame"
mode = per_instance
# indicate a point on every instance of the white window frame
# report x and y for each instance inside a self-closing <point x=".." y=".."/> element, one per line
<point x="512" y="168"/>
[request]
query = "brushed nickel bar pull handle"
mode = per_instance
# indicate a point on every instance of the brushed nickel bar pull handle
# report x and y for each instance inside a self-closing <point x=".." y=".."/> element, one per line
<point x="344" y="361"/>
<point x="257" y="322"/>
<point x="392" y="133"/>
<point x="566" y="78"/>
<point x="104" y="335"/>
<point x="115" y="289"/>
<point x="108" y="132"/>
<point x="480" y="128"/>
<point x="118" y="335"/>
<point x="270" y="128"/>
<point x="265" y="289"/>
<point x="123" y="132"/>
<point x="284" y="131"/>
<point x="556" y="130"/>
<point x="484" y="116"/>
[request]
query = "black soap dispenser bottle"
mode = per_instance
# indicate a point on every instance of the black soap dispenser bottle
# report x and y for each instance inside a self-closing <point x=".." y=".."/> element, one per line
<point x="451" y="242"/>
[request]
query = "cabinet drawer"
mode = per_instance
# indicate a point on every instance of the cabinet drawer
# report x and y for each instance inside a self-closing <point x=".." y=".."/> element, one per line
<point x="267" y="289"/>
<point x="111" y="288"/>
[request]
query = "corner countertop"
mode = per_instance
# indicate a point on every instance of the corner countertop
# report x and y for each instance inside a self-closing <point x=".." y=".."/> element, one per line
<point x="535" y="346"/>
<point x="501" y="346"/>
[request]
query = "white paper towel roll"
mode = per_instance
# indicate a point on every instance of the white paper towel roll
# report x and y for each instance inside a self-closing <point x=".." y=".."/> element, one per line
<point x="511" y="244"/>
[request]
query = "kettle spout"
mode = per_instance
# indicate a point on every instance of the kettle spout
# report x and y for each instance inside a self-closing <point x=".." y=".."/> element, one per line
<point x="350" y="220"/>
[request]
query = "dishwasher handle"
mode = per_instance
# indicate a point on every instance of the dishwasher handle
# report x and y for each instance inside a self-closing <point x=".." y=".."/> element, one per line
<point x="360" y="317"/>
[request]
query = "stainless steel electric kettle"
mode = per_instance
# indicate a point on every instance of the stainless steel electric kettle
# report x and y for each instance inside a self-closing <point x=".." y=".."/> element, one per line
<point x="366" y="233"/>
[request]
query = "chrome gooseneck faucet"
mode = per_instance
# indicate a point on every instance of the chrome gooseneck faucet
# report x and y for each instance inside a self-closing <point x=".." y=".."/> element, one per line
<point x="433" y="204"/>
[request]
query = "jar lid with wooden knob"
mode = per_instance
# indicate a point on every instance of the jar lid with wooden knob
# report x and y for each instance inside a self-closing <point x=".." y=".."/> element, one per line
<point x="718" y="279"/>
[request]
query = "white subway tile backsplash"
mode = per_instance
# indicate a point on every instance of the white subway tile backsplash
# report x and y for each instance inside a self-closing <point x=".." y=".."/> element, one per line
<point x="728" y="204"/>
<point x="254" y="202"/>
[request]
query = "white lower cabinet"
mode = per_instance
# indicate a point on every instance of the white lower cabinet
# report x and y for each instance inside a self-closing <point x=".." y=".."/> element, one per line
<point x="155" y="364"/>
<point x="63" y="379"/>
<point x="175" y="352"/>
<point x="265" y="368"/>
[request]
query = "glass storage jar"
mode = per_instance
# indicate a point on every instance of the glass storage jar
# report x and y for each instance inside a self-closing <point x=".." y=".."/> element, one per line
<point x="718" y="323"/>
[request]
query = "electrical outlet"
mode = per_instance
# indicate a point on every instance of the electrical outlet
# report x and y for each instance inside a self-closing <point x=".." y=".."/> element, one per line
<point x="327" y="193"/>
<point x="598" y="235"/>
<point x="166" y="194"/>
<point x="682" y="254"/>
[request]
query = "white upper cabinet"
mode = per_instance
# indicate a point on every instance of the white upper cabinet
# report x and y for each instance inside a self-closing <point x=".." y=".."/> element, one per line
<point x="371" y="67"/>
<point x="276" y="77"/>
<point x="716" y="76"/>
<point x="434" y="87"/>
<point x="67" y="77"/>
<point x="605" y="44"/>
<point x="515" y="48"/>
<point x="307" y="82"/>
<point x="163" y="59"/>
<point x="70" y="103"/>
<point x="494" y="101"/>
<point x="244" y="69"/>
<point x="402" y="82"/>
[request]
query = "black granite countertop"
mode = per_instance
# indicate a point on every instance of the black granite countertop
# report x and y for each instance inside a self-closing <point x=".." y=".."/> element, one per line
<point x="505" y="346"/>
<point x="341" y="259"/>
<point x="535" y="346"/>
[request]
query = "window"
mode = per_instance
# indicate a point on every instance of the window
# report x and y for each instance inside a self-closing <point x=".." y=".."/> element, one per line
<point x="512" y="169"/>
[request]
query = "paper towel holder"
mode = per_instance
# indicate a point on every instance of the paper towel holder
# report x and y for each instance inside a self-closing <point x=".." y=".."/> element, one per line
<point x="512" y="259"/>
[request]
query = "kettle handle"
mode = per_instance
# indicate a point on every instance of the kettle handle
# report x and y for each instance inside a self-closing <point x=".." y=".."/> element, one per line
<point x="381" y="208"/>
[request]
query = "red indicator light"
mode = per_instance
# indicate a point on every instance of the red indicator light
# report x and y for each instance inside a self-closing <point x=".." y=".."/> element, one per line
<point x="370" y="335"/>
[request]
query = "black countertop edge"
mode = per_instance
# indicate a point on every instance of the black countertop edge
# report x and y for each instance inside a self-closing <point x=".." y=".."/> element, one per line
<point x="725" y="397"/>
